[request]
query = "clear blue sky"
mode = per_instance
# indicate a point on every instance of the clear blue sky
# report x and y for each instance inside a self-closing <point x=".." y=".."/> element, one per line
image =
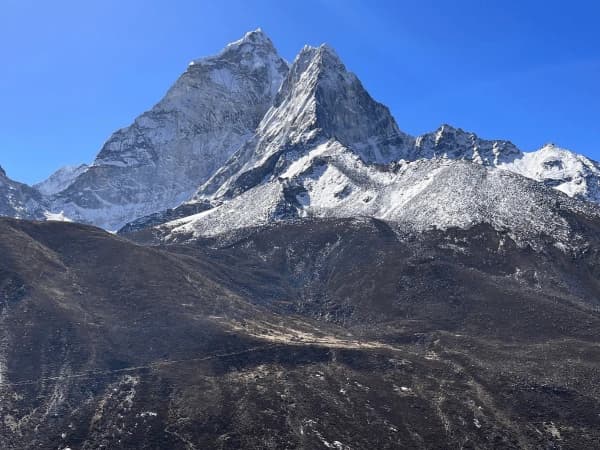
<point x="74" y="71"/>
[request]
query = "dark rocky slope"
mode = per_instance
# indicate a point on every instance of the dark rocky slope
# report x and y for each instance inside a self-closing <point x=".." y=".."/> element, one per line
<point x="316" y="334"/>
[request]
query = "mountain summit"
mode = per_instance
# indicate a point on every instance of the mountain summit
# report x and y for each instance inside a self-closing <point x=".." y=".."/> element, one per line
<point x="162" y="158"/>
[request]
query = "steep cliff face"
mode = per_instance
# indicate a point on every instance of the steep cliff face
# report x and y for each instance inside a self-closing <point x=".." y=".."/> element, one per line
<point x="60" y="180"/>
<point x="161" y="159"/>
<point x="319" y="100"/>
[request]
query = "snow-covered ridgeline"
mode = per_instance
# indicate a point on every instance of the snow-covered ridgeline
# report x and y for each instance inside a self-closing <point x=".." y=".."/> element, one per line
<point x="332" y="181"/>
<point x="60" y="180"/>
<point x="318" y="100"/>
<point x="327" y="149"/>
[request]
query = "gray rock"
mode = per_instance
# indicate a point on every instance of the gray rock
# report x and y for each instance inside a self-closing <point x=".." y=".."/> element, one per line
<point x="19" y="200"/>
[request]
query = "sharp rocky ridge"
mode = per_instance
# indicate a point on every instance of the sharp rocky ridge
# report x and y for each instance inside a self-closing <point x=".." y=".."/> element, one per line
<point x="319" y="100"/>
<point x="61" y="179"/>
<point x="244" y="135"/>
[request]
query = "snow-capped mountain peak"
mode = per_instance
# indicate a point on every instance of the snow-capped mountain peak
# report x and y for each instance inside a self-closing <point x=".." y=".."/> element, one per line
<point x="569" y="172"/>
<point x="253" y="52"/>
<point x="259" y="140"/>
<point x="319" y="100"/>
<point x="327" y="149"/>
<point x="61" y="179"/>
<point x="161" y="159"/>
